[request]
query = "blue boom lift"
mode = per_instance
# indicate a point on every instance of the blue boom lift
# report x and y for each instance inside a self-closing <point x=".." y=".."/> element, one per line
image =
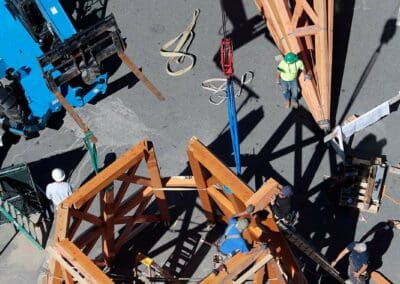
<point x="40" y="53"/>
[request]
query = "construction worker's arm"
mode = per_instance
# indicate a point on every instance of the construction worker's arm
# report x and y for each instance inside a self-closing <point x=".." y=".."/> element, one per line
<point x="340" y="256"/>
<point x="246" y="213"/>
<point x="362" y="269"/>
<point x="278" y="76"/>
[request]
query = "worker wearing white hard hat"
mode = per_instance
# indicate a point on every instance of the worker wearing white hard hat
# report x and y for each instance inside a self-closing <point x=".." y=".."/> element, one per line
<point x="58" y="190"/>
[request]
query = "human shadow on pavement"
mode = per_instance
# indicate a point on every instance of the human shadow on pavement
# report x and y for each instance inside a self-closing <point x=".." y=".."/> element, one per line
<point x="382" y="235"/>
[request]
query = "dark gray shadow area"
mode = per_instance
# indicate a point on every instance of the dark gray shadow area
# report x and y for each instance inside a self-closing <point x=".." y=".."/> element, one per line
<point x="388" y="33"/>
<point x="84" y="13"/>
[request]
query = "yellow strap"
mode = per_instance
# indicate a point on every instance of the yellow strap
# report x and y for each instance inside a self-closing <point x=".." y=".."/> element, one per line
<point x="180" y="52"/>
<point x="147" y="261"/>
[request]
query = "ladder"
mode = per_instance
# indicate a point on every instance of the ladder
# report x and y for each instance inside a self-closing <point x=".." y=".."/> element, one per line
<point x="307" y="249"/>
<point x="20" y="221"/>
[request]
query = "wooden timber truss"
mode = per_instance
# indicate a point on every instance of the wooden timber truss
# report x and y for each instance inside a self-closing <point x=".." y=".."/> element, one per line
<point x="70" y="260"/>
<point x="305" y="27"/>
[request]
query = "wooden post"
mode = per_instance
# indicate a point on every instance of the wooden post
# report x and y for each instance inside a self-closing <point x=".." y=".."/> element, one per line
<point x="155" y="176"/>
<point x="107" y="209"/>
<point x="73" y="114"/>
<point x="135" y="70"/>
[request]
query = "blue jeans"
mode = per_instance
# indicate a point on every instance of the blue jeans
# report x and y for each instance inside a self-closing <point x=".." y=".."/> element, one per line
<point x="289" y="89"/>
<point x="352" y="278"/>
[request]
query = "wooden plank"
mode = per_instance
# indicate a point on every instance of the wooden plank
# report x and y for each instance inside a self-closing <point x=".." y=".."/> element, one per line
<point x="86" y="217"/>
<point x="77" y="259"/>
<point x="298" y="10"/>
<point x="219" y="170"/>
<point x="62" y="223"/>
<point x="73" y="114"/>
<point x="201" y="183"/>
<point x="89" y="246"/>
<point x="106" y="176"/>
<point x="66" y="276"/>
<point x="262" y="197"/>
<point x="107" y="209"/>
<point x="281" y="250"/>
<point x="178" y="181"/>
<point x="282" y="20"/>
<point x="321" y="51"/>
<point x="331" y="12"/>
<point x="154" y="172"/>
<point x="305" y="31"/>
<point x="56" y="276"/>
<point x="65" y="265"/>
<point x="223" y="203"/>
<point x="135" y="70"/>
<point x="261" y="261"/>
<point x="310" y="12"/>
<point x="274" y="273"/>
<point x="379" y="278"/>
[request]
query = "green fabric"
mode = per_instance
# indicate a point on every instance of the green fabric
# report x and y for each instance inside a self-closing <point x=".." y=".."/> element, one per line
<point x="288" y="72"/>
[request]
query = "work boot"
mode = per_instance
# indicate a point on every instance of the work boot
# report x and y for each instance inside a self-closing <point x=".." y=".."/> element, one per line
<point x="286" y="104"/>
<point x="294" y="104"/>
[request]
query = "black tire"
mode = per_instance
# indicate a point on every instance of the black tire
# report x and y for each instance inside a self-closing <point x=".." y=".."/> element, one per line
<point x="9" y="106"/>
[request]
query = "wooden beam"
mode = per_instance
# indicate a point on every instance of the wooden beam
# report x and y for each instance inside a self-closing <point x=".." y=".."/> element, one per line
<point x="125" y="185"/>
<point x="135" y="179"/>
<point x="86" y="217"/>
<point x="298" y="10"/>
<point x="262" y="197"/>
<point x="219" y="170"/>
<point x="201" y="183"/>
<point x="261" y="261"/>
<point x="62" y="223"/>
<point x="66" y="276"/>
<point x="178" y="181"/>
<point x="379" y="278"/>
<point x="154" y="172"/>
<point x="80" y="261"/>
<point x="305" y="31"/>
<point x="107" y="211"/>
<point x="93" y="232"/>
<point x="56" y="276"/>
<point x="135" y="70"/>
<point x="106" y="176"/>
<point x="310" y="12"/>
<point x="321" y="52"/>
<point x="63" y="264"/>
<point x="77" y="222"/>
<point x="73" y="114"/>
<point x="223" y="203"/>
<point x="132" y="201"/>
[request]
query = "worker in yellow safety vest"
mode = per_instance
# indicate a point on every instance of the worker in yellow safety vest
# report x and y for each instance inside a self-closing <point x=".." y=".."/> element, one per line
<point x="286" y="77"/>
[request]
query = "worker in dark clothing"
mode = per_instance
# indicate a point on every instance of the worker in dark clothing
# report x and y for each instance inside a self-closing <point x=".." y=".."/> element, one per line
<point x="358" y="262"/>
<point x="281" y="203"/>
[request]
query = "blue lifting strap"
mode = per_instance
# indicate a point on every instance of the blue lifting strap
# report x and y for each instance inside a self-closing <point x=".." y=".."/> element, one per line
<point x="230" y="93"/>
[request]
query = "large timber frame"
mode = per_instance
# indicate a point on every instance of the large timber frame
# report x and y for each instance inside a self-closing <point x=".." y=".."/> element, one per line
<point x="70" y="259"/>
<point x="307" y="30"/>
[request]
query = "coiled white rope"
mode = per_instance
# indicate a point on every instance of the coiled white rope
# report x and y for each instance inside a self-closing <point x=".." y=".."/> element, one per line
<point x="217" y="86"/>
<point x="180" y="52"/>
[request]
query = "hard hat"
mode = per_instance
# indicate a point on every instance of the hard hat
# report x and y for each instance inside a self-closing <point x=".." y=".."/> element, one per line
<point x="290" y="58"/>
<point x="360" y="247"/>
<point x="58" y="174"/>
<point x="242" y="224"/>
<point x="286" y="191"/>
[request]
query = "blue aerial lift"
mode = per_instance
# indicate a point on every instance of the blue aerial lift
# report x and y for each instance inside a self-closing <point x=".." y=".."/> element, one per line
<point x="42" y="53"/>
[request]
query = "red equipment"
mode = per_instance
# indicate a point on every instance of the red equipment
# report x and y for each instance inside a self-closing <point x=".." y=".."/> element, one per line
<point x="226" y="53"/>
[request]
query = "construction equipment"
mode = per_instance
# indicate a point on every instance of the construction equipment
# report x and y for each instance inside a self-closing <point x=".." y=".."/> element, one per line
<point x="43" y="55"/>
<point x="362" y="183"/>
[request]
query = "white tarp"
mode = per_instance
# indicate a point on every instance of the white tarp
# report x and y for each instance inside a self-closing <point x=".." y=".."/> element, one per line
<point x="366" y="119"/>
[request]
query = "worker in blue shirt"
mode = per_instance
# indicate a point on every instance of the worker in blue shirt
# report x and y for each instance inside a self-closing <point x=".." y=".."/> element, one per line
<point x="232" y="241"/>
<point x="358" y="262"/>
